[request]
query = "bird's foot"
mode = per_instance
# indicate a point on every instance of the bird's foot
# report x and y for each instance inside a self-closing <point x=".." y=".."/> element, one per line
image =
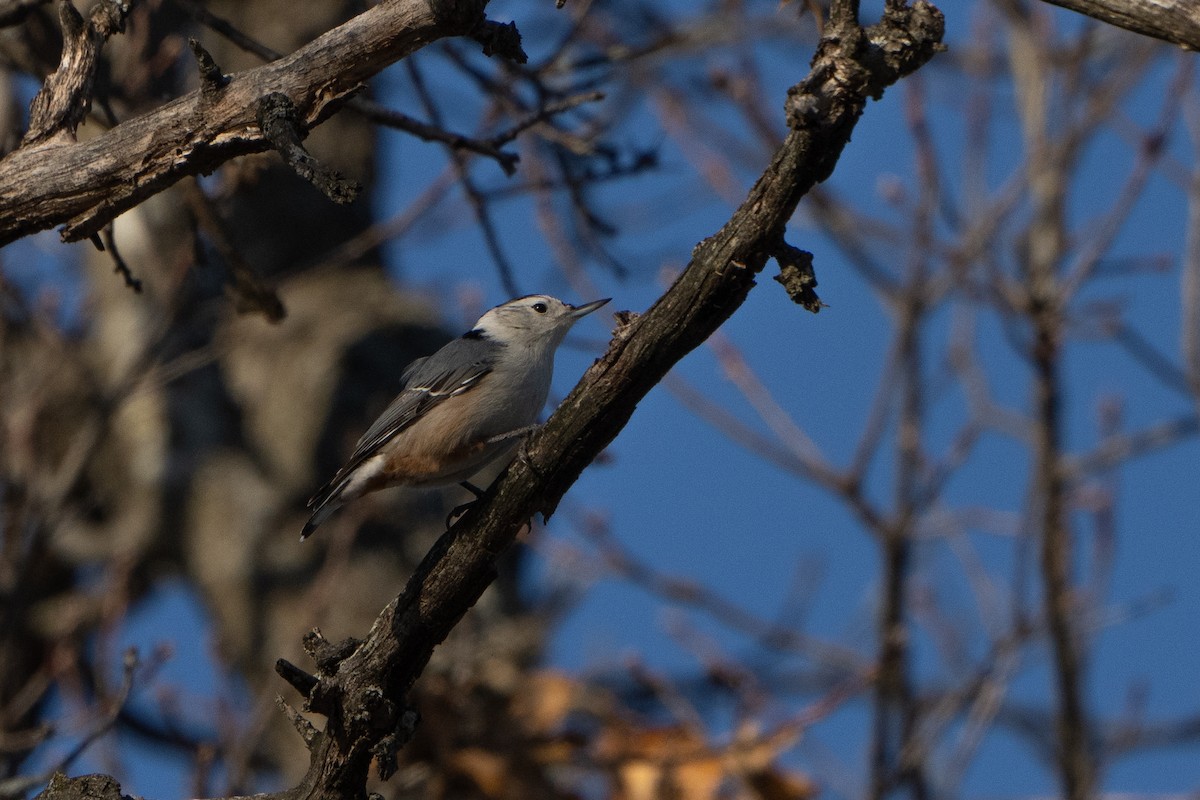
<point x="459" y="510"/>
<point x="523" y="457"/>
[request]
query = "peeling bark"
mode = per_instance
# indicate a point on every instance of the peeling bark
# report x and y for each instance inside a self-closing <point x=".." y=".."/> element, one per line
<point x="85" y="185"/>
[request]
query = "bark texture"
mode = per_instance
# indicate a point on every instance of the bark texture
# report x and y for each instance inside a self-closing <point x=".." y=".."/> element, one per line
<point x="1174" y="21"/>
<point x="85" y="185"/>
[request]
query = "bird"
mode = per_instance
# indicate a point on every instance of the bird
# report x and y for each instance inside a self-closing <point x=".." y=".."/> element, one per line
<point x="461" y="408"/>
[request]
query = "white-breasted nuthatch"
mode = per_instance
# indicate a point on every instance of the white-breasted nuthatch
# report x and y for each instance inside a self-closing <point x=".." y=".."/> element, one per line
<point x="461" y="408"/>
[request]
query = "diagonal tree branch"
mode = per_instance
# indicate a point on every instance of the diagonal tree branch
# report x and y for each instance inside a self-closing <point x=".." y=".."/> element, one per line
<point x="85" y="185"/>
<point x="361" y="686"/>
<point x="1174" y="21"/>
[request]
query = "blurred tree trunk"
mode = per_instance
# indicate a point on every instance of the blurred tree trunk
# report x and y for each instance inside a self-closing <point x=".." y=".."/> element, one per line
<point x="195" y="457"/>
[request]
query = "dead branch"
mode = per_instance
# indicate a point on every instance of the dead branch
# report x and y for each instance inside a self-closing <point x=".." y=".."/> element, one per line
<point x="1174" y="21"/>
<point x="85" y="185"/>
<point x="66" y="97"/>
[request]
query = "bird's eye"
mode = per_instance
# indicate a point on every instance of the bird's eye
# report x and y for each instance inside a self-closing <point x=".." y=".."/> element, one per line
<point x="541" y="308"/>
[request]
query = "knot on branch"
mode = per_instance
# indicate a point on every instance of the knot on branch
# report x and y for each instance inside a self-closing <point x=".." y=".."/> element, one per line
<point x="372" y="711"/>
<point x="906" y="38"/>
<point x="809" y="102"/>
<point x="385" y="749"/>
<point x="796" y="275"/>
<point x="281" y="125"/>
<point x="853" y="63"/>
<point x="320" y="695"/>
<point x="212" y="80"/>
<point x="109" y="17"/>
<point x="838" y="83"/>
<point x="624" y="326"/>
<point x="500" y="39"/>
<point x="325" y="653"/>
<point x="85" y="787"/>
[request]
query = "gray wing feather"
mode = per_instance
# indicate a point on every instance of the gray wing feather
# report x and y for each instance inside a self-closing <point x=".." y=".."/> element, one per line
<point x="454" y="369"/>
<point x="411" y="370"/>
<point x="412" y="402"/>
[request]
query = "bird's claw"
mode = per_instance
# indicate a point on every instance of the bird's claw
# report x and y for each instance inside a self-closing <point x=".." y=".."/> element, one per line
<point x="524" y="458"/>
<point x="458" y="511"/>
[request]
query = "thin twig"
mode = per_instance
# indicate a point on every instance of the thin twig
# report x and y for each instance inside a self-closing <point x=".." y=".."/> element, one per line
<point x="19" y="786"/>
<point x="478" y="202"/>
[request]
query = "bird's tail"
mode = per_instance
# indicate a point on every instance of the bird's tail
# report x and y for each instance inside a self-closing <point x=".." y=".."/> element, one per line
<point x="351" y="481"/>
<point x="327" y="500"/>
<point x="321" y="513"/>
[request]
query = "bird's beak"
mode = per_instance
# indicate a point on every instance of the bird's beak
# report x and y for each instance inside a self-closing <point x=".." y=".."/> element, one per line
<point x="581" y="311"/>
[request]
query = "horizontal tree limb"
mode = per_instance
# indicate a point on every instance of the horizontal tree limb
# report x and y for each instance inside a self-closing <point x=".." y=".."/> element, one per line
<point x="84" y="185"/>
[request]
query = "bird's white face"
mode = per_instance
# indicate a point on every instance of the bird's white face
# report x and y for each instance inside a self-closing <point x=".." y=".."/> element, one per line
<point x="535" y="318"/>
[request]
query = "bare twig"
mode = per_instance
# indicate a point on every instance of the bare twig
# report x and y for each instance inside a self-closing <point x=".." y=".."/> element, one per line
<point x="279" y="122"/>
<point x="476" y="198"/>
<point x="382" y="115"/>
<point x="693" y="595"/>
<point x="109" y="245"/>
<point x="18" y="786"/>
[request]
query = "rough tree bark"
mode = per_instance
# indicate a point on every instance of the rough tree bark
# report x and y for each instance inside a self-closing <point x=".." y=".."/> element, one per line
<point x="361" y="686"/>
<point x="87" y="184"/>
<point x="1174" y="21"/>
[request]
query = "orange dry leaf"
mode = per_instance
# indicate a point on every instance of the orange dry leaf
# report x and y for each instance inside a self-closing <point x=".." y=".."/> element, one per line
<point x="698" y="779"/>
<point x="487" y="770"/>
<point x="640" y="780"/>
<point x="775" y="784"/>
<point x="544" y="701"/>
